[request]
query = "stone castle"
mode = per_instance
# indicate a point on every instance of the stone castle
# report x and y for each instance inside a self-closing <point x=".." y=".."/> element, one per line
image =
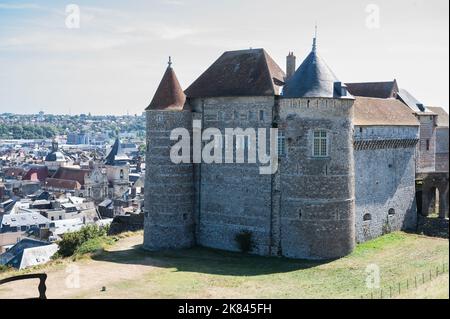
<point x="349" y="155"/>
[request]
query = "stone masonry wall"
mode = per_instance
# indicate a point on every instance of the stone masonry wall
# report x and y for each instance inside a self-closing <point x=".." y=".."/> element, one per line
<point x="426" y="159"/>
<point x="317" y="194"/>
<point x="442" y="136"/>
<point x="232" y="198"/>
<point x="169" y="188"/>
<point x="385" y="182"/>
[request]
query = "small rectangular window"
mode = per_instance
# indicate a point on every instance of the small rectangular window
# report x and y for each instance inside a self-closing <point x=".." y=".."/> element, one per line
<point x="320" y="143"/>
<point x="261" y="116"/>
<point x="428" y="145"/>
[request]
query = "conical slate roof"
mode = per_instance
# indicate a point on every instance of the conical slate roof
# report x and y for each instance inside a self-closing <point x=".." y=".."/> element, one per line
<point x="111" y="158"/>
<point x="169" y="95"/>
<point x="313" y="78"/>
<point x="239" y="73"/>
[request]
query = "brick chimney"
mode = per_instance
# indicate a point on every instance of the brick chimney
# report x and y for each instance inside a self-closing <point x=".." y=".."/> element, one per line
<point x="290" y="65"/>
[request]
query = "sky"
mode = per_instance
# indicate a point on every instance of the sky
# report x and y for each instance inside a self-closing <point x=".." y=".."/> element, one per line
<point x="113" y="61"/>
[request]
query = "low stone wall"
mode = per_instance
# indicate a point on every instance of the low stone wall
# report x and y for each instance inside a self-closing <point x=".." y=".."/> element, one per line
<point x="124" y="223"/>
<point x="434" y="227"/>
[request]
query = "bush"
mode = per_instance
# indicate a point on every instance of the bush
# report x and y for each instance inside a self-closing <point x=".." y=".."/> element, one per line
<point x="386" y="228"/>
<point x="4" y="268"/>
<point x="245" y="241"/>
<point x="71" y="242"/>
<point x="94" y="245"/>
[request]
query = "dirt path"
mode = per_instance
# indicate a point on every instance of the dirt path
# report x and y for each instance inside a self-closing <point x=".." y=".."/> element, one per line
<point x="128" y="272"/>
<point x="84" y="278"/>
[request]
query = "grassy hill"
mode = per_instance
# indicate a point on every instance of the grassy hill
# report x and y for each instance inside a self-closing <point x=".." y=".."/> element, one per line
<point x="124" y="270"/>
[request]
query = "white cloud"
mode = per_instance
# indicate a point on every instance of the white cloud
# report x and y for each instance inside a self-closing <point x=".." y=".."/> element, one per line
<point x="174" y="2"/>
<point x="22" y="6"/>
<point x="100" y="29"/>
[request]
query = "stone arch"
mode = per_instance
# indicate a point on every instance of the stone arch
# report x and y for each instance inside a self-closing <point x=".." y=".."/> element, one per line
<point x="435" y="193"/>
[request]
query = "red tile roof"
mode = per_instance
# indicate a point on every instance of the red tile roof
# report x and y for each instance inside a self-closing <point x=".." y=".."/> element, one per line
<point x="62" y="184"/>
<point x="391" y="112"/>
<point x="442" y="120"/>
<point x="13" y="172"/>
<point x="169" y="95"/>
<point x="239" y="73"/>
<point x="37" y="173"/>
<point x="72" y="174"/>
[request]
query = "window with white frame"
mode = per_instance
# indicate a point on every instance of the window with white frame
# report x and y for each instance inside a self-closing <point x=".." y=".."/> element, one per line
<point x="320" y="143"/>
<point x="281" y="144"/>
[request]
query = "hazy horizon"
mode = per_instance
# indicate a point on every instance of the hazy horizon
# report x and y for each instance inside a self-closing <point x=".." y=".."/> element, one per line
<point x="113" y="63"/>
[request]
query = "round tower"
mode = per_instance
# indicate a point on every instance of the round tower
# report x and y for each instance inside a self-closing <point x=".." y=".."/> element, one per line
<point x="317" y="173"/>
<point x="168" y="205"/>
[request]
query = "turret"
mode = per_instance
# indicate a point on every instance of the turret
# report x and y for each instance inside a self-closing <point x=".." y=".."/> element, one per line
<point x="168" y="203"/>
<point x="317" y="173"/>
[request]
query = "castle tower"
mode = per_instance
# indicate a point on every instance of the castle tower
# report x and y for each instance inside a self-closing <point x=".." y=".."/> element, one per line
<point x="168" y="205"/>
<point x="317" y="172"/>
<point x="290" y="65"/>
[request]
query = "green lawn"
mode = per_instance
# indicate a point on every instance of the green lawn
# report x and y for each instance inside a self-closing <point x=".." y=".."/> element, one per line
<point x="127" y="271"/>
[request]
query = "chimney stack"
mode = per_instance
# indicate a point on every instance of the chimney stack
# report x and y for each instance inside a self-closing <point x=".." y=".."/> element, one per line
<point x="290" y="65"/>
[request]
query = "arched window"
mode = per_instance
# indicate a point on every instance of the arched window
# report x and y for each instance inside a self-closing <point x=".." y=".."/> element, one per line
<point x="391" y="212"/>
<point x="367" y="217"/>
